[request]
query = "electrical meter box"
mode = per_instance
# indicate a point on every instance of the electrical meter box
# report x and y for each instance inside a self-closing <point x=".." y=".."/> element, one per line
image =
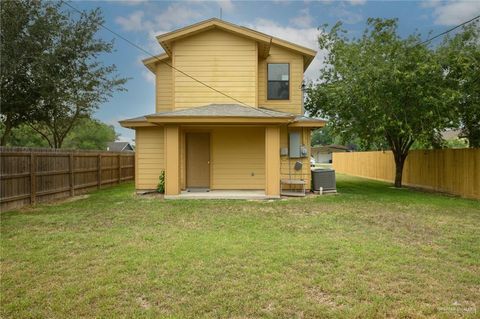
<point x="303" y="151"/>
<point x="294" y="143"/>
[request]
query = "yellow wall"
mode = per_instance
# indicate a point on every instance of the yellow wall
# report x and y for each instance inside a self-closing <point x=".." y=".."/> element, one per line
<point x="149" y="156"/>
<point x="172" y="159"/>
<point x="272" y="161"/>
<point x="225" y="61"/>
<point x="236" y="153"/>
<point x="287" y="164"/>
<point x="164" y="86"/>
<point x="280" y="55"/>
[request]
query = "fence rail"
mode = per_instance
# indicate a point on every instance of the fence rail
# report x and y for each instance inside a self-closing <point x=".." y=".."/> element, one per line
<point x="454" y="171"/>
<point x="29" y="176"/>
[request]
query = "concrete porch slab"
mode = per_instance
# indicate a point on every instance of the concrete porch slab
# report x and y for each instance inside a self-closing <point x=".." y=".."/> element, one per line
<point x="222" y="194"/>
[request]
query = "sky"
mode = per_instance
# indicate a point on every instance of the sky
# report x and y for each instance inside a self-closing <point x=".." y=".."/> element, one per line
<point x="297" y="21"/>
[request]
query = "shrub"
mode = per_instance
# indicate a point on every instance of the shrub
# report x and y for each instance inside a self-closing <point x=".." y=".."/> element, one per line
<point x="161" y="183"/>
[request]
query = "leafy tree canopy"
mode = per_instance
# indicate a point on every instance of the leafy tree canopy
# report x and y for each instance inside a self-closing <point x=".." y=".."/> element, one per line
<point x="460" y="56"/>
<point x="381" y="88"/>
<point x="87" y="134"/>
<point x="64" y="79"/>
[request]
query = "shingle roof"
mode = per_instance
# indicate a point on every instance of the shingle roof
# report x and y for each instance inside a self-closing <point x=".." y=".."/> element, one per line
<point x="117" y="146"/>
<point x="227" y="113"/>
<point x="224" y="110"/>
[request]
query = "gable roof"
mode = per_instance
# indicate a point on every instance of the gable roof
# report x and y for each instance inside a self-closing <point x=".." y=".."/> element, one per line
<point x="264" y="40"/>
<point x="119" y="146"/>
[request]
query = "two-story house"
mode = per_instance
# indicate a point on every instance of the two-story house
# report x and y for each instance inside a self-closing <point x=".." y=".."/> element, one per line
<point x="229" y="112"/>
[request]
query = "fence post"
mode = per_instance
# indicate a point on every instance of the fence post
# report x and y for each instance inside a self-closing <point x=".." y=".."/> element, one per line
<point x="33" y="177"/>
<point x="119" y="168"/>
<point x="99" y="170"/>
<point x="72" y="176"/>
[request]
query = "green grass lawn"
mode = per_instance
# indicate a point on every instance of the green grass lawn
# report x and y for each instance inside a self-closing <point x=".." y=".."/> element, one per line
<point x="371" y="251"/>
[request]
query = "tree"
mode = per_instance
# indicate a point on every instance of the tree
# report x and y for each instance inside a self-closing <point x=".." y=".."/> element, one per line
<point x="21" y="42"/>
<point x="327" y="135"/>
<point x="23" y="135"/>
<point x="90" y="134"/>
<point x="381" y="88"/>
<point x="86" y="134"/>
<point x="322" y="136"/>
<point x="69" y="80"/>
<point x="460" y="56"/>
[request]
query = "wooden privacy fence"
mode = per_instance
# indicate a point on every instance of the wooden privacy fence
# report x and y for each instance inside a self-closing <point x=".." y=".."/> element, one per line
<point x="454" y="171"/>
<point x="30" y="176"/>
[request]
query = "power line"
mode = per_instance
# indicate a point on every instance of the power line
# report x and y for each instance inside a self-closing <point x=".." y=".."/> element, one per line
<point x="154" y="56"/>
<point x="449" y="30"/>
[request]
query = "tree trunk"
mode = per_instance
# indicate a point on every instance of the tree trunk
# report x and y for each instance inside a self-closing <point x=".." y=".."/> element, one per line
<point x="399" y="162"/>
<point x="400" y="146"/>
<point x="6" y="133"/>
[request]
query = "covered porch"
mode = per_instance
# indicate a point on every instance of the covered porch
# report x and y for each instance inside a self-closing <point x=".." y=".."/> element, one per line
<point x="218" y="151"/>
<point x="216" y="160"/>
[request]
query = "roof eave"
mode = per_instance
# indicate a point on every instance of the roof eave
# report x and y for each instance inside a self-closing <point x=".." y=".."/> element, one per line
<point x="134" y="124"/>
<point x="310" y="123"/>
<point x="217" y="120"/>
<point x="151" y="62"/>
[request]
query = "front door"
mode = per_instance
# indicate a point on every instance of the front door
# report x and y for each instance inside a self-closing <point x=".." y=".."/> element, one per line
<point x="198" y="160"/>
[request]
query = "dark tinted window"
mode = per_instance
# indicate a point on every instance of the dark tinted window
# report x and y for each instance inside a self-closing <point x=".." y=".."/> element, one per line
<point x="278" y="81"/>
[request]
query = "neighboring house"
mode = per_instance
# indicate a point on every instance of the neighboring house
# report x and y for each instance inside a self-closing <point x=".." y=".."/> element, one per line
<point x="244" y="131"/>
<point x="119" y="147"/>
<point x="323" y="154"/>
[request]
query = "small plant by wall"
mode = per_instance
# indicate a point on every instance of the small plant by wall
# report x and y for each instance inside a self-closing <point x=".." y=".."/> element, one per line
<point x="161" y="183"/>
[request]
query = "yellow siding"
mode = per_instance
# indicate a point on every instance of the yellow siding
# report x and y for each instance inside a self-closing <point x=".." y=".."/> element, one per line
<point x="287" y="164"/>
<point x="237" y="154"/>
<point x="172" y="159"/>
<point x="220" y="59"/>
<point x="149" y="155"/>
<point x="280" y="55"/>
<point x="272" y="161"/>
<point x="164" y="87"/>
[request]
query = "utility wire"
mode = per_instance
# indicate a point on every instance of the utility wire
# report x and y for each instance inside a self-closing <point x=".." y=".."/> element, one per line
<point x="168" y="64"/>
<point x="449" y="30"/>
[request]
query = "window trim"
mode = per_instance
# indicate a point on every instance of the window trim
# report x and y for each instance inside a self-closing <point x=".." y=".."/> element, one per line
<point x="289" y="82"/>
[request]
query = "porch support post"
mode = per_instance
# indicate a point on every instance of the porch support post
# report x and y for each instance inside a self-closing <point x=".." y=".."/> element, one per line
<point x="272" y="161"/>
<point x="172" y="160"/>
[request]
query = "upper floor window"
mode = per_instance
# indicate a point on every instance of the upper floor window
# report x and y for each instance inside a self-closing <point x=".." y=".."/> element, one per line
<point x="278" y="81"/>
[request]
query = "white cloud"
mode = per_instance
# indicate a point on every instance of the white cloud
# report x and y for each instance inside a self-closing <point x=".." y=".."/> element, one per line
<point x="454" y="12"/>
<point x="176" y="15"/>
<point x="133" y="22"/>
<point x="430" y="3"/>
<point x="148" y="76"/>
<point x="131" y="2"/>
<point x="345" y="15"/>
<point x="303" y="36"/>
<point x="357" y="2"/>
<point x="303" y="20"/>
<point x="226" y="5"/>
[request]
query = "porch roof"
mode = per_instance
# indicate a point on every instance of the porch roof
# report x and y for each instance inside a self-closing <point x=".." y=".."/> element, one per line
<point x="223" y="114"/>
